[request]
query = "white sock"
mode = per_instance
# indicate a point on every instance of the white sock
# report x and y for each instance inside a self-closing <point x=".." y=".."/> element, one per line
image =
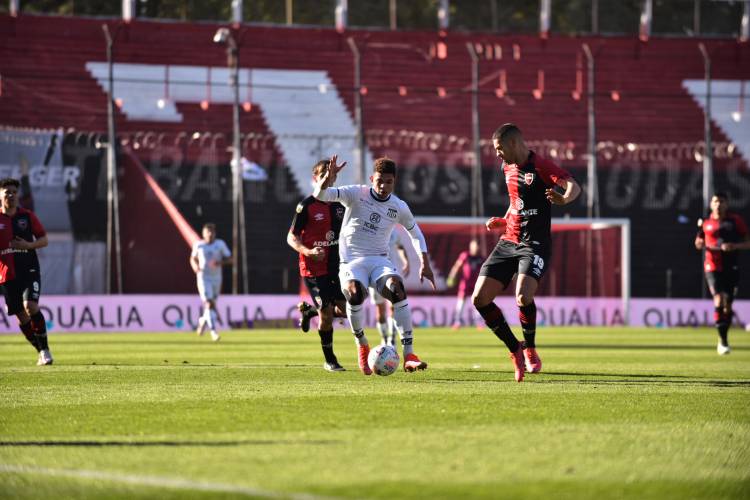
<point x="391" y="331"/>
<point x="402" y="318"/>
<point x="356" y="321"/>
<point x="459" y="311"/>
<point x="383" y="331"/>
<point x="211" y="320"/>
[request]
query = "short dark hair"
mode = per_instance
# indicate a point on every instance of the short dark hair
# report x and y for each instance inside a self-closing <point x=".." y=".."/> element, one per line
<point x="9" y="181"/>
<point x="384" y="166"/>
<point x="721" y="194"/>
<point x="505" y="131"/>
<point x="210" y="225"/>
<point x="321" y="166"/>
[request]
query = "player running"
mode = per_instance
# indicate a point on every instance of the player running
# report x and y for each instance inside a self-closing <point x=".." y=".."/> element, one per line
<point x="23" y="286"/>
<point x="207" y="258"/>
<point x="315" y="236"/>
<point x="524" y="247"/>
<point x="721" y="235"/>
<point x="371" y="213"/>
<point x="469" y="262"/>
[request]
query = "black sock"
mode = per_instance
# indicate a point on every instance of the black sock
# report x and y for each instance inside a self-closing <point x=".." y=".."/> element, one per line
<point x="28" y="332"/>
<point x="40" y="330"/>
<point x="495" y="320"/>
<point x="527" y="316"/>
<point x="326" y="343"/>
<point x="530" y="337"/>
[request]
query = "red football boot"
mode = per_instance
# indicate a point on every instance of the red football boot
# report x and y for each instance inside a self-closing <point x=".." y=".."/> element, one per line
<point x="412" y="363"/>
<point x="518" y="362"/>
<point x="364" y="351"/>
<point x="532" y="360"/>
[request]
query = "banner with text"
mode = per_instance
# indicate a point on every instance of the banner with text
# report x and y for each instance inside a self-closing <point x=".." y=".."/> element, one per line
<point x="165" y="313"/>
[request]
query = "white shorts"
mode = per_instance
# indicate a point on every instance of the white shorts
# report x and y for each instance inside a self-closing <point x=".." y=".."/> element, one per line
<point x="209" y="287"/>
<point x="366" y="270"/>
<point x="375" y="297"/>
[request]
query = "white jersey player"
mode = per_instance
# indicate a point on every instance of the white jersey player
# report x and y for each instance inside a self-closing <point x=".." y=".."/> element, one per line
<point x="370" y="216"/>
<point x="207" y="258"/>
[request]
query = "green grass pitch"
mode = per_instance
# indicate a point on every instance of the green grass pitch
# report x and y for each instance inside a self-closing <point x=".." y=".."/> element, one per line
<point x="617" y="413"/>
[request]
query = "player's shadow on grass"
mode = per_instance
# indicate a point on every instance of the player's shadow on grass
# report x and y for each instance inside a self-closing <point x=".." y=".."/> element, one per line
<point x="137" y="444"/>
<point x="646" y="347"/>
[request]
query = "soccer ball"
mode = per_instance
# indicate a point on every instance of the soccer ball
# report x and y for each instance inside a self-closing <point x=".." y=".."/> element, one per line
<point x="383" y="360"/>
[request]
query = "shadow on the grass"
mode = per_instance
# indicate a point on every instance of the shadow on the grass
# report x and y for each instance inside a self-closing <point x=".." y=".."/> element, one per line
<point x="244" y="442"/>
<point x="700" y="347"/>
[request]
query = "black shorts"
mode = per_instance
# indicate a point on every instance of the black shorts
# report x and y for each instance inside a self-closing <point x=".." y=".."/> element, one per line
<point x="21" y="289"/>
<point x="509" y="258"/>
<point x="325" y="290"/>
<point x="723" y="281"/>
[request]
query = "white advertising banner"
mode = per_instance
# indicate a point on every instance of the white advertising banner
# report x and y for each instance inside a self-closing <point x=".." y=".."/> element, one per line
<point x="164" y="313"/>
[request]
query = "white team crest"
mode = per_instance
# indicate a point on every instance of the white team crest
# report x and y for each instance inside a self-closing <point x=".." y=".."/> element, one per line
<point x="330" y="235"/>
<point x="518" y="204"/>
<point x="528" y="178"/>
<point x="319" y="216"/>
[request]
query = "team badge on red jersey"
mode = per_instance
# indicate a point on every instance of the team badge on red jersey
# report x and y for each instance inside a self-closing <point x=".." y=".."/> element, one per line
<point x="528" y="178"/>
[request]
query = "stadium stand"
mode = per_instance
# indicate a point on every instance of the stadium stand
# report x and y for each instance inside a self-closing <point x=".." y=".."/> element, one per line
<point x="416" y="110"/>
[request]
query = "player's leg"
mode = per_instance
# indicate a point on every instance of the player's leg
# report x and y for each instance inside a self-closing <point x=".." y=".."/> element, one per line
<point x="391" y="287"/>
<point x="354" y="280"/>
<point x="392" y="331"/>
<point x="380" y="316"/>
<point x="203" y="319"/>
<point x="328" y="293"/>
<point x="460" y="304"/>
<point x="31" y="294"/>
<point x="717" y="287"/>
<point x="495" y="275"/>
<point x="531" y="268"/>
<point x="14" y="307"/>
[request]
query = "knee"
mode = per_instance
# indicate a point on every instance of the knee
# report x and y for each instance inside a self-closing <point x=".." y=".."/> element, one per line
<point x="478" y="300"/>
<point x="394" y="290"/>
<point x="209" y="304"/>
<point x="32" y="308"/>
<point x="354" y="293"/>
<point x="524" y="299"/>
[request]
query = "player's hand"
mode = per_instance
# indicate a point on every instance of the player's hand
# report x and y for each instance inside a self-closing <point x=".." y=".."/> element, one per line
<point x="317" y="253"/>
<point x="425" y="272"/>
<point x="329" y="178"/>
<point x="728" y="247"/>
<point x="700" y="243"/>
<point x="20" y="243"/>
<point x="554" y="197"/>
<point x="450" y="281"/>
<point x="495" y="224"/>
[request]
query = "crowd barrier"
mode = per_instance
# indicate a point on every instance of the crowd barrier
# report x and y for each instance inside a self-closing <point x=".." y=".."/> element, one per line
<point x="166" y="313"/>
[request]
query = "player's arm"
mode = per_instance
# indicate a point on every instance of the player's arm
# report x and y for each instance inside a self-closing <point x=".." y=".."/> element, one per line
<point x="194" y="262"/>
<point x="571" y="191"/>
<point x="731" y="247"/>
<point x="700" y="237"/>
<point x="293" y="241"/>
<point x="451" y="279"/>
<point x="420" y="245"/>
<point x="404" y="259"/>
<point x="37" y="230"/>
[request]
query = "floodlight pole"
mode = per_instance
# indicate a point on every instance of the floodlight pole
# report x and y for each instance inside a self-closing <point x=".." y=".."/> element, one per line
<point x="592" y="200"/>
<point x="477" y="198"/>
<point x="113" y="198"/>
<point x="358" y="112"/>
<point x="239" y="235"/>
<point x="708" y="156"/>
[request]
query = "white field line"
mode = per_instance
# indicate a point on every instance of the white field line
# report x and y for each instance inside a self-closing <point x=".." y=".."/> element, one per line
<point x="156" y="481"/>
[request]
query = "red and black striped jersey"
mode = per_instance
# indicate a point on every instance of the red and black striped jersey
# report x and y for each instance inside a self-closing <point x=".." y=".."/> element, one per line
<point x="529" y="218"/>
<point x="729" y="229"/>
<point x="318" y="224"/>
<point x="26" y="226"/>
